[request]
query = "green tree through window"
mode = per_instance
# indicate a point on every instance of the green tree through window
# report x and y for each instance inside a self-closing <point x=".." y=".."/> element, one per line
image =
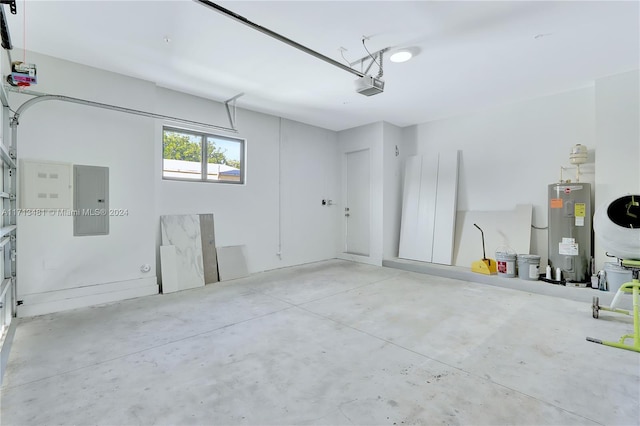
<point x="180" y="147"/>
<point x="217" y="155"/>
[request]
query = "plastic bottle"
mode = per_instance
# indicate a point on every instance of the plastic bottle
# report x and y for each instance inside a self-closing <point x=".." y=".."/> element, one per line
<point x="558" y="274"/>
<point x="548" y="274"/>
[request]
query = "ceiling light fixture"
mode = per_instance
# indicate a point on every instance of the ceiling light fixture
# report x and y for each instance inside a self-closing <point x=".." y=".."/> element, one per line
<point x="401" y="56"/>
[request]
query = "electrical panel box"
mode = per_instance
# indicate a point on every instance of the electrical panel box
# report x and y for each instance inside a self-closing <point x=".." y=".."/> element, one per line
<point x="45" y="185"/>
<point x="91" y="200"/>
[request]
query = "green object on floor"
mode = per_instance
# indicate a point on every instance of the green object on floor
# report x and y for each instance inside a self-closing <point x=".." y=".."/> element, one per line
<point x="632" y="287"/>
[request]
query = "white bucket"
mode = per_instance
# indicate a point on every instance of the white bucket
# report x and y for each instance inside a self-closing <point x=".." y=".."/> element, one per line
<point x="528" y="267"/>
<point x="616" y="275"/>
<point x="506" y="264"/>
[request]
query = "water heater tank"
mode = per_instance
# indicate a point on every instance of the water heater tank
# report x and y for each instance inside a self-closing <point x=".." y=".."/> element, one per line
<point x="570" y="230"/>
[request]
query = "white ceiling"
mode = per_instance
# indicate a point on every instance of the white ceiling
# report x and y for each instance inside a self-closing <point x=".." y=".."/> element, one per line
<point x="472" y="54"/>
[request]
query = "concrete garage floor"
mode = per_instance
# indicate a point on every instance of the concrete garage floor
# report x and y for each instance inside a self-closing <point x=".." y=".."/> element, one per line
<point x="327" y="343"/>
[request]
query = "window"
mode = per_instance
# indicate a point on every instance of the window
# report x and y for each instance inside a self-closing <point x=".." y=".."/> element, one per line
<point x="202" y="157"/>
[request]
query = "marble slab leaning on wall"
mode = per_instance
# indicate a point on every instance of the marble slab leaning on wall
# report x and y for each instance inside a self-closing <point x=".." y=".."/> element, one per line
<point x="232" y="262"/>
<point x="184" y="233"/>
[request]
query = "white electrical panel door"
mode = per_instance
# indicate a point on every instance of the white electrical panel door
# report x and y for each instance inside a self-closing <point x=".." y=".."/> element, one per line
<point x="46" y="185"/>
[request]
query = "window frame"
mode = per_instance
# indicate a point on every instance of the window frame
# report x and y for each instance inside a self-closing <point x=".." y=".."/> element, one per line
<point x="203" y="153"/>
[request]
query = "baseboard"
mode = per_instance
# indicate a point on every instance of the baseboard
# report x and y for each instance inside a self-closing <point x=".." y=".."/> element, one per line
<point x="80" y="297"/>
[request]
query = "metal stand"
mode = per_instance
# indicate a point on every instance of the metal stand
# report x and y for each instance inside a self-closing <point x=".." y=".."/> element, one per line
<point x="632" y="287"/>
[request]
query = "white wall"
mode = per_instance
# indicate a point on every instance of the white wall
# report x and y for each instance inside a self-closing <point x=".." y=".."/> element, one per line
<point x="365" y="137"/>
<point x="300" y="156"/>
<point x="51" y="259"/>
<point x="618" y="141"/>
<point x="511" y="153"/>
<point x="243" y="214"/>
<point x="310" y="174"/>
<point x="386" y="179"/>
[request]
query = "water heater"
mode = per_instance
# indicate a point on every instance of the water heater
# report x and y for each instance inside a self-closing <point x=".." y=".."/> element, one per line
<point x="570" y="230"/>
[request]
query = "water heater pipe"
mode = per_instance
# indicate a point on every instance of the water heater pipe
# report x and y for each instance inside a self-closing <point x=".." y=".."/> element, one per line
<point x="578" y="172"/>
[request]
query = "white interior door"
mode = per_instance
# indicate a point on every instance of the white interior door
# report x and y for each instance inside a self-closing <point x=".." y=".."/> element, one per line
<point x="357" y="206"/>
